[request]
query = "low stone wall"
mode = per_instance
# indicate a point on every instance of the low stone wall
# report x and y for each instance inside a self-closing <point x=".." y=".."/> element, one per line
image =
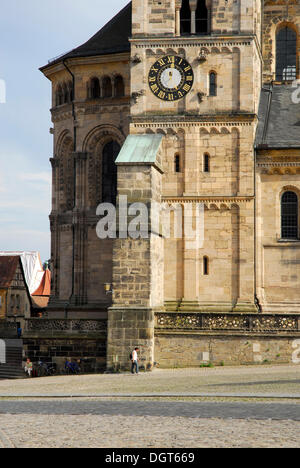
<point x="57" y="340"/>
<point x="183" y="340"/>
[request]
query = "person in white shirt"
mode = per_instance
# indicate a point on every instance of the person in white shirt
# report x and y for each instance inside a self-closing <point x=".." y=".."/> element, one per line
<point x="135" y="361"/>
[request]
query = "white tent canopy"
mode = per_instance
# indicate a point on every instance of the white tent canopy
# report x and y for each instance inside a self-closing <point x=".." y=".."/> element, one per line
<point x="32" y="266"/>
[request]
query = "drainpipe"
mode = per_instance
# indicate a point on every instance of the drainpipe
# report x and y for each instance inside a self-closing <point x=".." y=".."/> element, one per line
<point x="256" y="300"/>
<point x="74" y="172"/>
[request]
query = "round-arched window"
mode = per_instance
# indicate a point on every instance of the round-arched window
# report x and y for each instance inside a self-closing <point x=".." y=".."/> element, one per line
<point x="286" y="54"/>
<point x="289" y="215"/>
<point x="109" y="172"/>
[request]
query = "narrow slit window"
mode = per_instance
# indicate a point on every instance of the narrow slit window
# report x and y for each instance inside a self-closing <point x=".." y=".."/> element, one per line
<point x="206" y="163"/>
<point x="212" y="84"/>
<point x="177" y="163"/>
<point x="205" y="266"/>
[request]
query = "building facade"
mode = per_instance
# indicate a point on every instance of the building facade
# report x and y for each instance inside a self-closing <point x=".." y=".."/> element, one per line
<point x="15" y="300"/>
<point x="182" y="103"/>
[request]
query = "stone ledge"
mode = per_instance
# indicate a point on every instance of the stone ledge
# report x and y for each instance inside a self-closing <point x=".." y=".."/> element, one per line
<point x="226" y="333"/>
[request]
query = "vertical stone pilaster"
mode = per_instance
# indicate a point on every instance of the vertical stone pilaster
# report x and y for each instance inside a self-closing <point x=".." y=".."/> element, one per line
<point x="137" y="270"/>
<point x="79" y="295"/>
<point x="54" y="227"/>
<point x="246" y="290"/>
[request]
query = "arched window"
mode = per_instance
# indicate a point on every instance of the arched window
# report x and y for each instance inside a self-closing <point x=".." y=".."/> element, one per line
<point x="212" y="84"/>
<point x="286" y="54"/>
<point x="201" y="18"/>
<point x="66" y="94"/>
<point x="185" y="18"/>
<point x="206" y="163"/>
<point x="95" y="88"/>
<point x="109" y="172"/>
<point x="177" y="163"/>
<point x="59" y="96"/>
<point x="70" y="90"/>
<point x="119" y="86"/>
<point x="205" y="266"/>
<point x="289" y="215"/>
<point x="106" y="87"/>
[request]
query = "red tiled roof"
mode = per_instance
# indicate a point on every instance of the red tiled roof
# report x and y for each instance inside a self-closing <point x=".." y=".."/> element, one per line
<point x="8" y="267"/>
<point x="44" y="288"/>
<point x="40" y="302"/>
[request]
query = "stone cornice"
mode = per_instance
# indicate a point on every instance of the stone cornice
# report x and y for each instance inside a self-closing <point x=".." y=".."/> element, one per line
<point x="187" y="120"/>
<point x="190" y="41"/>
<point x="209" y="201"/>
<point x="50" y="70"/>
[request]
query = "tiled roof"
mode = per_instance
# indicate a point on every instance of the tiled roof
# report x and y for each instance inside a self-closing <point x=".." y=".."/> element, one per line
<point x="40" y="302"/>
<point x="8" y="267"/>
<point x="112" y="38"/>
<point x="44" y="288"/>
<point x="279" y="117"/>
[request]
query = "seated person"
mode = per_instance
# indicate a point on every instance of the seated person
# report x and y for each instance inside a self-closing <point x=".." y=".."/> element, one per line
<point x="28" y="367"/>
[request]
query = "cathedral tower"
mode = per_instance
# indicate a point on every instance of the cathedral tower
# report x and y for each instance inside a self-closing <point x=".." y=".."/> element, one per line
<point x="196" y="80"/>
<point x="189" y="108"/>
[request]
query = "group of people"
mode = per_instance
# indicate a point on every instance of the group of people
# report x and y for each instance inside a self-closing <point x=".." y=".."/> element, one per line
<point x="28" y="368"/>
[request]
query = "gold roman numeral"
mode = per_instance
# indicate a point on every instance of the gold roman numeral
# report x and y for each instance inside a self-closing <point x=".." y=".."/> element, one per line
<point x="155" y="88"/>
<point x="186" y="87"/>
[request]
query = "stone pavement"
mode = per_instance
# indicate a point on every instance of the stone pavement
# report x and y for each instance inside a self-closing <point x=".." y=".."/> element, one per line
<point x="36" y="430"/>
<point x="169" y="409"/>
<point x="135" y="423"/>
<point x="221" y="380"/>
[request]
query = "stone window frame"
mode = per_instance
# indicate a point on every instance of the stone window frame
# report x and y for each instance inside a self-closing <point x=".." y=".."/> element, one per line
<point x="212" y="87"/>
<point x="286" y="188"/>
<point x="193" y="6"/>
<point x="177" y="163"/>
<point x="112" y="79"/>
<point x="63" y="93"/>
<point x="118" y="81"/>
<point x="294" y="28"/>
<point x="206" y="265"/>
<point x="282" y="226"/>
<point x="206" y="163"/>
<point x="94" y="88"/>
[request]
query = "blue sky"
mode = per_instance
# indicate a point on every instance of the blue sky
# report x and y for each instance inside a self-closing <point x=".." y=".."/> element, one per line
<point x="31" y="33"/>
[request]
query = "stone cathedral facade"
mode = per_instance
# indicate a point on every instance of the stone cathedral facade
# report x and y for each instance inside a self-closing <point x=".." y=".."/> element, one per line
<point x="182" y="103"/>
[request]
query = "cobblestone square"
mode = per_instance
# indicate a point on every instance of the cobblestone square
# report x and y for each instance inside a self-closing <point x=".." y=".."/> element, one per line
<point x="98" y="416"/>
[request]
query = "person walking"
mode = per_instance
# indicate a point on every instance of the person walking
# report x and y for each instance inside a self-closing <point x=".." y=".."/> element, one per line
<point x="135" y="361"/>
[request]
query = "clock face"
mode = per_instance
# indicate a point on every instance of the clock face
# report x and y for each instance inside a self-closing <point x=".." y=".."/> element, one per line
<point x="171" y="78"/>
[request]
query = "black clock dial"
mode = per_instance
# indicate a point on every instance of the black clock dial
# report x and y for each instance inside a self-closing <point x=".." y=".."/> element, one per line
<point x="171" y="78"/>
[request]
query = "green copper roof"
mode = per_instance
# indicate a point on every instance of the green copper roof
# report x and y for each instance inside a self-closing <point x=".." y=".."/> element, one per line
<point x="140" y="149"/>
